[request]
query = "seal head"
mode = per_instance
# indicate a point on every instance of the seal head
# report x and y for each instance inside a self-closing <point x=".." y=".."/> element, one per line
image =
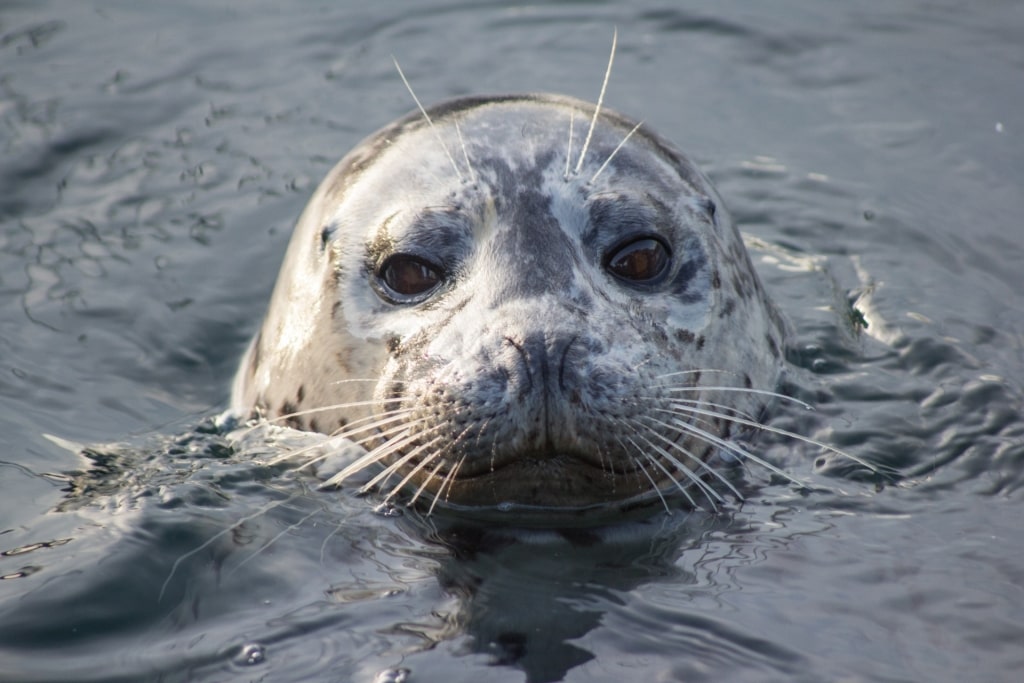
<point x="505" y="317"/>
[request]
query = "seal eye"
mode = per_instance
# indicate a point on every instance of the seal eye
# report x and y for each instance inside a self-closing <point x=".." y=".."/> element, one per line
<point x="409" y="277"/>
<point x="641" y="261"/>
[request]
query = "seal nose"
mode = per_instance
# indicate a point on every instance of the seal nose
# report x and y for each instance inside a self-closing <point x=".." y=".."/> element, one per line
<point x="542" y="379"/>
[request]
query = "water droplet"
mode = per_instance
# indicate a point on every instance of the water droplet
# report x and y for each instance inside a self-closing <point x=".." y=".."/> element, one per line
<point x="251" y="654"/>
<point x="387" y="510"/>
<point x="505" y="507"/>
<point x="392" y="676"/>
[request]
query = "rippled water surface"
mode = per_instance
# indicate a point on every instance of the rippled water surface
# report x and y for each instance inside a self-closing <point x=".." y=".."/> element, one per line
<point x="153" y="158"/>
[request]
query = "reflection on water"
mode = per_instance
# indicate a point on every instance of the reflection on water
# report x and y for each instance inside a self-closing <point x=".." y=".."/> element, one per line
<point x="152" y="162"/>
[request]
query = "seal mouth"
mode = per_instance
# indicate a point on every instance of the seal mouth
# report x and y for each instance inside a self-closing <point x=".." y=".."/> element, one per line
<point x="539" y="480"/>
<point x="554" y="460"/>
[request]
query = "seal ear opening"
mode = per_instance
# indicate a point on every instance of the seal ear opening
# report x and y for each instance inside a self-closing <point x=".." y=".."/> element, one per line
<point x="710" y="208"/>
<point x="706" y="206"/>
<point x="326" y="233"/>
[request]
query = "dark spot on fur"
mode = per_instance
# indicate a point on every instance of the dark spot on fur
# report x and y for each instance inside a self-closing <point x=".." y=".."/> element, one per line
<point x="393" y="344"/>
<point x="716" y="279"/>
<point x="700" y="342"/>
<point x="342" y="423"/>
<point x="684" y="336"/>
<point x="325" y="236"/>
<point x="301" y="396"/>
<point x="746" y="381"/>
<point x="335" y="310"/>
<point x="314" y="425"/>
<point x="737" y="284"/>
<point x="728" y="308"/>
<point x="293" y="421"/>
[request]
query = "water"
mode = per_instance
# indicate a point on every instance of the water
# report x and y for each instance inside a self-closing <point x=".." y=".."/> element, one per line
<point x="153" y="158"/>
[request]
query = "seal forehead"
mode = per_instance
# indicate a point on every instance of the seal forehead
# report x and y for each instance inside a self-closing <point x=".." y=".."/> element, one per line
<point x="513" y="149"/>
<point x="518" y="127"/>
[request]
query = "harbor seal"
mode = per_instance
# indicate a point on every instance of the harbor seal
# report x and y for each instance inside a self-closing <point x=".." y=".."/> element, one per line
<point x="510" y="308"/>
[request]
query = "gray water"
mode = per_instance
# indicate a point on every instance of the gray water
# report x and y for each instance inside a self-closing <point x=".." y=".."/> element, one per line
<point x="153" y="157"/>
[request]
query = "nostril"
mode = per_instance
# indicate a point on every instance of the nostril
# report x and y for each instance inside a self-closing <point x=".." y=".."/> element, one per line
<point x="565" y="363"/>
<point x="518" y="368"/>
<point x="547" y="360"/>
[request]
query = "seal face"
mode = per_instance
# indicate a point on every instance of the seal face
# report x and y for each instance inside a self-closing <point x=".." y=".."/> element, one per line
<point x="506" y="317"/>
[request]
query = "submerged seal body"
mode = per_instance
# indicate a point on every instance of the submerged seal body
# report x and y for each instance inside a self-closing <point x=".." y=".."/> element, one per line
<point x="511" y="306"/>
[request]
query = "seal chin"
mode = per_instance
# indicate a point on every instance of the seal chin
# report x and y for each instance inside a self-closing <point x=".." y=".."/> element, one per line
<point x="563" y="481"/>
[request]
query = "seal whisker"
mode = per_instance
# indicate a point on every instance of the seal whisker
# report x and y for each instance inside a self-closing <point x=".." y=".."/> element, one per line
<point x="700" y="402"/>
<point x="640" y="466"/>
<point x="465" y="153"/>
<point x="731" y="447"/>
<point x="437" y="455"/>
<point x="600" y="101"/>
<point x="426" y="116"/>
<point x="272" y="541"/>
<point x="415" y="470"/>
<point x="568" y="153"/>
<point x="382" y="419"/>
<point x="696" y="371"/>
<point x="318" y="409"/>
<point x="614" y="152"/>
<point x="377" y="456"/>
<point x="406" y="436"/>
<point x="429" y="478"/>
<point x="782" y="432"/>
<point x="690" y="455"/>
<point x="709" y="492"/>
<point x="220" y="534"/>
<point x="744" y="390"/>
<point x="291" y="455"/>
<point x="323" y="546"/>
<point x="335" y="406"/>
<point x="373" y="380"/>
<point x="446" y="485"/>
<point x="394" y="467"/>
<point x="657" y="463"/>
